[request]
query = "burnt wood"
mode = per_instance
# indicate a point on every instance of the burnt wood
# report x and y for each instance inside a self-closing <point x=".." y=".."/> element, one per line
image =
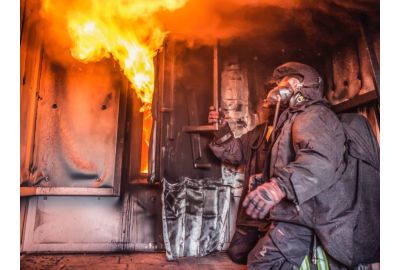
<point x="355" y="102"/>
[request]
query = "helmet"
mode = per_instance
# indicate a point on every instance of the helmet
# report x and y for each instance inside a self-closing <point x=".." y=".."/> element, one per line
<point x="313" y="86"/>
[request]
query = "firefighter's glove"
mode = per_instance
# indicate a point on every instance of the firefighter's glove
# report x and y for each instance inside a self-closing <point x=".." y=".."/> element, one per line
<point x="256" y="180"/>
<point x="262" y="199"/>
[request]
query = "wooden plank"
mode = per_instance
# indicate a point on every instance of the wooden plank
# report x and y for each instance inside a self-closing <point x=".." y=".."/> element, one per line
<point x="127" y="261"/>
<point x="203" y="128"/>
<point x="66" y="191"/>
<point x="355" y="102"/>
<point x="89" y="259"/>
<point x="369" y="45"/>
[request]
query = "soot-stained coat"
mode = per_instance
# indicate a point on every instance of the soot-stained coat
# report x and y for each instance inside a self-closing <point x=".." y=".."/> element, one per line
<point x="308" y="159"/>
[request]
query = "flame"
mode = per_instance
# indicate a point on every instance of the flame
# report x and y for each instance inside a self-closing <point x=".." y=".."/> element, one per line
<point x="127" y="31"/>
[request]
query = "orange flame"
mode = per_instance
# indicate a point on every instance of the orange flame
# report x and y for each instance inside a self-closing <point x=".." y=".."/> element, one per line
<point x="128" y="31"/>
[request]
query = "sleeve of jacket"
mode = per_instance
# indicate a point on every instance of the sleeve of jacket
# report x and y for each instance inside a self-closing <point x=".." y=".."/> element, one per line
<point x="230" y="149"/>
<point x="318" y="142"/>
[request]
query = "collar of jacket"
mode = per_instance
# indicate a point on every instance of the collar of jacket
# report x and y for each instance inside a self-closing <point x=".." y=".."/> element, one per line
<point x="303" y="107"/>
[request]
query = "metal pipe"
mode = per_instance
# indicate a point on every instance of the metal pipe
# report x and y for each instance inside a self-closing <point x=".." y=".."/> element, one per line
<point x="215" y="81"/>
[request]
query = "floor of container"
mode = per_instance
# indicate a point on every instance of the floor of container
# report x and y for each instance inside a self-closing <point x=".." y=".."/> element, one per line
<point x="125" y="261"/>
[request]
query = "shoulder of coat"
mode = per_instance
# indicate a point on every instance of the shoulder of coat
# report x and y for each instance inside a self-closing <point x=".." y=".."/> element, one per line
<point x="319" y="109"/>
<point x="318" y="114"/>
<point x="314" y="112"/>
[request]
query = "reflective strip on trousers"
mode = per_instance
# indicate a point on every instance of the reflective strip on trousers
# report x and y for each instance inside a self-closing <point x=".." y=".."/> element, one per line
<point x="305" y="265"/>
<point x="322" y="261"/>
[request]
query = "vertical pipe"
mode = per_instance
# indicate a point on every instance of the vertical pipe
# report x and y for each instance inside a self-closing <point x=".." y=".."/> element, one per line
<point x="171" y="124"/>
<point x="215" y="80"/>
<point x="160" y="118"/>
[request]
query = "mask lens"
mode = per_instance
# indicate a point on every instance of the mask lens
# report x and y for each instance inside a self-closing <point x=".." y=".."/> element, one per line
<point x="284" y="92"/>
<point x="283" y="89"/>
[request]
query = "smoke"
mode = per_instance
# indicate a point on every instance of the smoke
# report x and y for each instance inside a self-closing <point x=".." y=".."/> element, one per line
<point x="204" y="21"/>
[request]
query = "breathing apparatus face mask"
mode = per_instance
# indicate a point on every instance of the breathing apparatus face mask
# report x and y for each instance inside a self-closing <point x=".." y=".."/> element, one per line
<point x="285" y="93"/>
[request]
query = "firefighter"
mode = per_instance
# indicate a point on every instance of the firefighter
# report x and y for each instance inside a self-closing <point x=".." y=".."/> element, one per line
<point x="249" y="149"/>
<point x="301" y="192"/>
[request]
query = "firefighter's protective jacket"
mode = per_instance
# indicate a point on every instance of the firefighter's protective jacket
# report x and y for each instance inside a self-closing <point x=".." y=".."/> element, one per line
<point x="308" y="159"/>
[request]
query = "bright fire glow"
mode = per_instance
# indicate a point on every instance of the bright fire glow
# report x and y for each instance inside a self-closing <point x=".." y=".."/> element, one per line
<point x="126" y="30"/>
<point x="147" y="121"/>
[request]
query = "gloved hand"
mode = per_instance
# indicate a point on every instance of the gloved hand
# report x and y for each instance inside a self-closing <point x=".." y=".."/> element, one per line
<point x="255" y="180"/>
<point x="262" y="199"/>
<point x="217" y="116"/>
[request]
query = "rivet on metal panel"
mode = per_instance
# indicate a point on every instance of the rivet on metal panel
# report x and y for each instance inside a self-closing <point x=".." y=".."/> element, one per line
<point x="106" y="102"/>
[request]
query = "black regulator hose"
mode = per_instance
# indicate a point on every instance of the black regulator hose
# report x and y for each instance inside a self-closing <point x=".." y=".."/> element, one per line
<point x="263" y="137"/>
<point x="272" y="139"/>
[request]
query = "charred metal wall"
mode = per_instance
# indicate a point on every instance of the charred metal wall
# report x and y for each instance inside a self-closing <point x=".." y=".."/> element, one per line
<point x="76" y="126"/>
<point x="131" y="222"/>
